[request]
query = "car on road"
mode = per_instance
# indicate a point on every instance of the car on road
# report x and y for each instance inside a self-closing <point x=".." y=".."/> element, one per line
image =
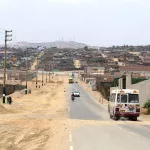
<point x="76" y="93"/>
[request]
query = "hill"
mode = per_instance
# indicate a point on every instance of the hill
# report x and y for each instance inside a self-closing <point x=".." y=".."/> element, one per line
<point x="58" y="44"/>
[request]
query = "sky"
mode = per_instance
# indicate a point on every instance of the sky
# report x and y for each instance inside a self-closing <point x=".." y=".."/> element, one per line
<point x="93" y="22"/>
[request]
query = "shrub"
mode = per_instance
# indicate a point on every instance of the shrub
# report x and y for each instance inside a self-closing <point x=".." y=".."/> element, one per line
<point x="137" y="80"/>
<point x="147" y="104"/>
<point x="148" y="112"/>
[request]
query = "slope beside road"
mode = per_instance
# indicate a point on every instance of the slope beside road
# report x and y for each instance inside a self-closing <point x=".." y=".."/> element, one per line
<point x="38" y="120"/>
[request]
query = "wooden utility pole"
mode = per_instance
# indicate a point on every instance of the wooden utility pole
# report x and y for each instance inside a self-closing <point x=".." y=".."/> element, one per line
<point x="57" y="79"/>
<point x="26" y="91"/>
<point x="4" y="76"/>
<point x="49" y="72"/>
<point x="42" y="75"/>
<point x="36" y="72"/>
<point x="46" y="73"/>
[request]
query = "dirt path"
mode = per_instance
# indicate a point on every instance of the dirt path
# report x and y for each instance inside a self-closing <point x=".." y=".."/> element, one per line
<point x="36" y="121"/>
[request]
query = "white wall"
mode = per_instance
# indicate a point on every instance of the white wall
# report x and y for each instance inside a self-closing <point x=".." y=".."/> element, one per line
<point x="143" y="87"/>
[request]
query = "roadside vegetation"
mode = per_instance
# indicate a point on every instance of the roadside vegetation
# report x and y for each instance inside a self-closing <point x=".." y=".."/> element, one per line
<point x="147" y="106"/>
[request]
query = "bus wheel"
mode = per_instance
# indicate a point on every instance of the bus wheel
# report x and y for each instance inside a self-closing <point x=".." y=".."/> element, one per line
<point x="134" y="118"/>
<point x="110" y="116"/>
<point x="116" y="117"/>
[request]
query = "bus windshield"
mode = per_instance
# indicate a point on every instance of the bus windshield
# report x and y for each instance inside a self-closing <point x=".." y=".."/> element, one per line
<point x="123" y="98"/>
<point x="133" y="98"/>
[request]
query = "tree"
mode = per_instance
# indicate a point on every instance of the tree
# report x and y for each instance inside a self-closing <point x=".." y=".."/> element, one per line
<point x="85" y="48"/>
<point x="131" y="49"/>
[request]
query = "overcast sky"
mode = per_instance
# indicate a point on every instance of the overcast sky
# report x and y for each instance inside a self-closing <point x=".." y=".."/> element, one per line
<point x="93" y="22"/>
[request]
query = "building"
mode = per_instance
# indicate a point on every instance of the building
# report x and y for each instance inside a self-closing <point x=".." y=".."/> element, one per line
<point x="94" y="70"/>
<point x="143" y="70"/>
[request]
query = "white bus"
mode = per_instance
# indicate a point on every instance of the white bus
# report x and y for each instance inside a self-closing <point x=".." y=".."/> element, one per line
<point x="124" y="103"/>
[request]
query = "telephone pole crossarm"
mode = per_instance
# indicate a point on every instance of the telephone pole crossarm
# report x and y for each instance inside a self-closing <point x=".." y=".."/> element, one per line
<point x="4" y="75"/>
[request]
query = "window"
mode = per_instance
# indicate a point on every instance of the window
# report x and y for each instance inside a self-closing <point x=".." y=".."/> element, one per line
<point x="123" y="98"/>
<point x="112" y="97"/>
<point x="118" y="98"/>
<point x="133" y="98"/>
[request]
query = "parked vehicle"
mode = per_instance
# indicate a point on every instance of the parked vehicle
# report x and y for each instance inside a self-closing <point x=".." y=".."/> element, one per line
<point x="124" y="103"/>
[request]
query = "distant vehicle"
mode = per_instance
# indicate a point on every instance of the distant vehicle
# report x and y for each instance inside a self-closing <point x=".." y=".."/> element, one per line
<point x="124" y="103"/>
<point x="76" y="93"/>
<point x="71" y="80"/>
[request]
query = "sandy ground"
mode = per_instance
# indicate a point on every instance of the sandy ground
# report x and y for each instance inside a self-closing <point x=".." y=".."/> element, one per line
<point x="37" y="121"/>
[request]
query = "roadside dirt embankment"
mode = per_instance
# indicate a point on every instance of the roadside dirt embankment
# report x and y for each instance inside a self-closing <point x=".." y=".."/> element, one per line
<point x="38" y="120"/>
<point x="95" y="94"/>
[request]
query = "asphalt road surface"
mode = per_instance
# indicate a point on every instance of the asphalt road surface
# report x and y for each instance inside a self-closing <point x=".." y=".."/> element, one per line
<point x="103" y="136"/>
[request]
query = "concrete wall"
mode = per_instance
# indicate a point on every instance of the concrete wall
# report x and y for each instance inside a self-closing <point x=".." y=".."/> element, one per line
<point x="144" y="73"/>
<point x="87" y="80"/>
<point x="2" y="76"/>
<point x="144" y="90"/>
<point x="11" y="82"/>
<point x="143" y="87"/>
<point x="92" y="84"/>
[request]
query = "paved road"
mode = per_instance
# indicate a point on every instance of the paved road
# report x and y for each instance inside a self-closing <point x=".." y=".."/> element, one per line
<point x="85" y="107"/>
<point x="101" y="136"/>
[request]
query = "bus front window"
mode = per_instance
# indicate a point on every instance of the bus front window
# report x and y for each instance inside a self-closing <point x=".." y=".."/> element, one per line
<point x="133" y="98"/>
<point x="118" y="98"/>
<point x="123" y="98"/>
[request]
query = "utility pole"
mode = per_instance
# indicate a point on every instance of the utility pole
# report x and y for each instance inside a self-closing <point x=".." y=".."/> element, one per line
<point x="4" y="76"/>
<point x="46" y="73"/>
<point x="57" y="79"/>
<point x="49" y="72"/>
<point x="42" y="75"/>
<point x="36" y="72"/>
<point x="26" y="91"/>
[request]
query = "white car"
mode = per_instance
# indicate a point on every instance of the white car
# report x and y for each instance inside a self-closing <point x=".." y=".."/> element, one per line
<point x="76" y="94"/>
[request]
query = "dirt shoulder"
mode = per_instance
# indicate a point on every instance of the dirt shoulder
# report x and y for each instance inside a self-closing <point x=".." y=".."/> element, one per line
<point x="95" y="94"/>
<point x="38" y="120"/>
